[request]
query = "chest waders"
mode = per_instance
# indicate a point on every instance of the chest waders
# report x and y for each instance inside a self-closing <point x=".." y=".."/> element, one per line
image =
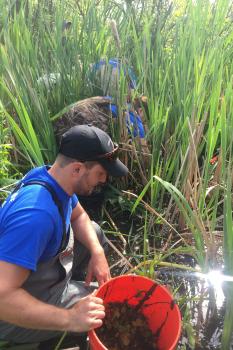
<point x="49" y="281"/>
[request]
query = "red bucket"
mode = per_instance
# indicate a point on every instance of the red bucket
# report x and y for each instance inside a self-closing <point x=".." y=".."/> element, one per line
<point x="160" y="310"/>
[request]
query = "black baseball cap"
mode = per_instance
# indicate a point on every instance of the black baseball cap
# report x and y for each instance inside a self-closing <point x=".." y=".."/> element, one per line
<point x="89" y="143"/>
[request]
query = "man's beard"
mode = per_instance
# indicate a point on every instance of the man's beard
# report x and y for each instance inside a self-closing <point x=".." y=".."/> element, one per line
<point x="98" y="189"/>
<point x="95" y="190"/>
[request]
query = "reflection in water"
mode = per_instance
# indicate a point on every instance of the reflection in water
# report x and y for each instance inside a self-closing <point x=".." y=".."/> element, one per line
<point x="205" y="303"/>
<point x="215" y="278"/>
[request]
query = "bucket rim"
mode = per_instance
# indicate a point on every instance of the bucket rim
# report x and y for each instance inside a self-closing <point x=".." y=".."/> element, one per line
<point x="92" y="334"/>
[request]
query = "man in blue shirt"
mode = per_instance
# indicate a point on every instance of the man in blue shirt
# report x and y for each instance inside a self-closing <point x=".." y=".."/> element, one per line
<point x="38" y="298"/>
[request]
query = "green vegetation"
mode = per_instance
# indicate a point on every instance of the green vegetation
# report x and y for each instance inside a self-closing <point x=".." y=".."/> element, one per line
<point x="182" y="54"/>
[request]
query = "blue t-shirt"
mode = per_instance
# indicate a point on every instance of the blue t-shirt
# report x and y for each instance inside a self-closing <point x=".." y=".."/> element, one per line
<point x="30" y="223"/>
<point x="133" y="121"/>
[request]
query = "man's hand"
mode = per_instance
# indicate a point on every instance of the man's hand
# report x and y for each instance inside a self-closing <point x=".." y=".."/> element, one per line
<point x="85" y="233"/>
<point x="87" y="314"/>
<point x="98" y="268"/>
<point x="20" y="308"/>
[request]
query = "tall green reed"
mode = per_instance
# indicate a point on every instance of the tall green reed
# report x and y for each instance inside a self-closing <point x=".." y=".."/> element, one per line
<point x="227" y="171"/>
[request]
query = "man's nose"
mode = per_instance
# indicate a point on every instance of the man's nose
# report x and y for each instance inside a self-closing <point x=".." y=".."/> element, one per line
<point x="104" y="180"/>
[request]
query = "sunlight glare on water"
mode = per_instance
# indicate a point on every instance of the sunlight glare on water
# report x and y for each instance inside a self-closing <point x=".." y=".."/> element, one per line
<point x="216" y="278"/>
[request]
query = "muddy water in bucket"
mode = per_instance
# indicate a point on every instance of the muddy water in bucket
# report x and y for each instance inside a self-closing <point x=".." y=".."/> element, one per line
<point x="154" y="302"/>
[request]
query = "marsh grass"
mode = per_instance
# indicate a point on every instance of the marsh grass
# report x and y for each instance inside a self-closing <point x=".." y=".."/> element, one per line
<point x="182" y="56"/>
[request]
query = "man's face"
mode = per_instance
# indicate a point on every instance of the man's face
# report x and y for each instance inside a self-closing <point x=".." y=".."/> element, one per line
<point x="89" y="179"/>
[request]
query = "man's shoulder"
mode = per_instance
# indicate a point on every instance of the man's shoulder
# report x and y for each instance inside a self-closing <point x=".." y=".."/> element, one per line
<point x="36" y="199"/>
<point x="31" y="201"/>
<point x="35" y="190"/>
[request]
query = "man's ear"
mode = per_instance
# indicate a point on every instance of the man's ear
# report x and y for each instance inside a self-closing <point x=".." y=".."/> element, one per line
<point x="77" y="166"/>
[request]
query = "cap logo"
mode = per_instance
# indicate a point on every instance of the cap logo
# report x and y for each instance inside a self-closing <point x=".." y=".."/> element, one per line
<point x="110" y="143"/>
<point x="112" y="155"/>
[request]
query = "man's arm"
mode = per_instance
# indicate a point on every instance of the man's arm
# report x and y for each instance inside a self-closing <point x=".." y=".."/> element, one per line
<point x="20" y="308"/>
<point x="85" y="233"/>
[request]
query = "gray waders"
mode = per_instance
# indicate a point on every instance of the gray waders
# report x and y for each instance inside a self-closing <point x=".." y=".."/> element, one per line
<point x="52" y="283"/>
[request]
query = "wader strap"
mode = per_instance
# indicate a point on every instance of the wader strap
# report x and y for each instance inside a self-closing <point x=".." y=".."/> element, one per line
<point x="57" y="203"/>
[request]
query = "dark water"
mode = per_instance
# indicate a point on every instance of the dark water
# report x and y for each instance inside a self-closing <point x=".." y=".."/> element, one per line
<point x="200" y="297"/>
<point x="201" y="300"/>
<point x="202" y="304"/>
